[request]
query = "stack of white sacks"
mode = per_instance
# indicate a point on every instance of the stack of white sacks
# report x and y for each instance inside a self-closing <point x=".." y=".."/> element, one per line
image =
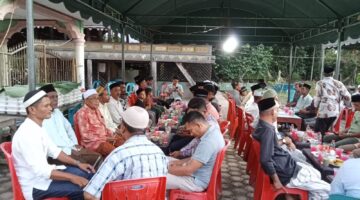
<point x="14" y="106"/>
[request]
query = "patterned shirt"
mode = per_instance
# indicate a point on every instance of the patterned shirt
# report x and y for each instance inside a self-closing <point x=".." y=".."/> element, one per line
<point x="92" y="128"/>
<point x="136" y="158"/>
<point x="329" y="95"/>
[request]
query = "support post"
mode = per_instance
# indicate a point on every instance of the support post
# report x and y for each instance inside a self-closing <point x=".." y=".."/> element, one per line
<point x="123" y="52"/>
<point x="30" y="51"/>
<point x="80" y="59"/>
<point x="89" y="73"/>
<point x="338" y="56"/>
<point x="312" y="64"/>
<point x="290" y="69"/>
<point x="322" y="61"/>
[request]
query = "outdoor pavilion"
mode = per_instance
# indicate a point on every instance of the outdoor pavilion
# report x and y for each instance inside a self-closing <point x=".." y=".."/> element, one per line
<point x="292" y="23"/>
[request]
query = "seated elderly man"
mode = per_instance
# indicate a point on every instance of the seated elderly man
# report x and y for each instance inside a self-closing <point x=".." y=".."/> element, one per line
<point x="278" y="163"/>
<point x="136" y="158"/>
<point x="284" y="141"/>
<point x="193" y="174"/>
<point x="351" y="135"/>
<point x="31" y="147"/>
<point x="91" y="126"/>
<point x="103" y="107"/>
<point x="114" y="105"/>
<point x="62" y="134"/>
<point x="346" y="181"/>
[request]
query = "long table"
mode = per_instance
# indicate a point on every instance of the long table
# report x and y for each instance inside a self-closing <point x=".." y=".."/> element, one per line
<point x="325" y="171"/>
<point x="286" y="118"/>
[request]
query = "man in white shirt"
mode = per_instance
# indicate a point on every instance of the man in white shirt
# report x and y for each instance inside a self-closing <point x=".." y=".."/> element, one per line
<point x="175" y="90"/>
<point x="104" y="110"/>
<point x="114" y="105"/>
<point x="330" y="94"/>
<point x="61" y="133"/>
<point x="30" y="148"/>
<point x="305" y="98"/>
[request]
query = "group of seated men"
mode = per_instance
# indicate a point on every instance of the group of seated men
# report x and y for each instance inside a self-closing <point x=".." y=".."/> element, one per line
<point x="58" y="165"/>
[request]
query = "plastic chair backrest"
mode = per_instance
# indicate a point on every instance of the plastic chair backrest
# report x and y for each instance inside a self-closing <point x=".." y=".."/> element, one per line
<point x="130" y="87"/>
<point x="224" y="125"/>
<point x="349" y="118"/>
<point x="211" y="190"/>
<point x="96" y="84"/>
<point x="340" y="197"/>
<point x="132" y="99"/>
<point x="76" y="129"/>
<point x="338" y="122"/>
<point x="17" y="193"/>
<point x="136" y="189"/>
<point x="72" y="112"/>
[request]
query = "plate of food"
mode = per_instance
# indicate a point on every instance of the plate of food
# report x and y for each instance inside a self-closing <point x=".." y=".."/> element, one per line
<point x="337" y="163"/>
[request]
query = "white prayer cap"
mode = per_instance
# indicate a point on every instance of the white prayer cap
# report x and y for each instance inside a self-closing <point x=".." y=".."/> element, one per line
<point x="32" y="97"/>
<point x="89" y="93"/>
<point x="258" y="93"/>
<point x="136" y="117"/>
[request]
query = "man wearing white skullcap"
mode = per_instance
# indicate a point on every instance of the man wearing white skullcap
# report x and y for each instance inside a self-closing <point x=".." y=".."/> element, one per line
<point x="136" y="158"/>
<point x="31" y="147"/>
<point x="251" y="106"/>
<point x="91" y="126"/>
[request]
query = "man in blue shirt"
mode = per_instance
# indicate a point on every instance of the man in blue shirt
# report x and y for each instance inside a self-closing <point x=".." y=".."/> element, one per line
<point x="62" y="134"/>
<point x="346" y="181"/>
<point x="193" y="174"/>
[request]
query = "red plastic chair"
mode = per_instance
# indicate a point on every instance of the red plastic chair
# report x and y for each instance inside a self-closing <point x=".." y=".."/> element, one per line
<point x="224" y="125"/>
<point x="349" y="118"/>
<point x="336" y="127"/>
<point x="136" y="189"/>
<point x="264" y="190"/>
<point x="241" y="126"/>
<point x="248" y="140"/>
<point x="244" y="138"/>
<point x="132" y="99"/>
<point x="17" y="193"/>
<point x="214" y="187"/>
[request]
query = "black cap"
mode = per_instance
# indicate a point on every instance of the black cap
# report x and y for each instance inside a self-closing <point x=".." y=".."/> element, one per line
<point x="175" y="77"/>
<point x="328" y="69"/>
<point x="201" y="93"/>
<point x="243" y="89"/>
<point x="116" y="84"/>
<point x="266" y="104"/>
<point x="355" y="98"/>
<point x="307" y="86"/>
<point x="262" y="85"/>
<point x="149" y="78"/>
<point x="255" y="87"/>
<point x="139" y="91"/>
<point x="48" y="88"/>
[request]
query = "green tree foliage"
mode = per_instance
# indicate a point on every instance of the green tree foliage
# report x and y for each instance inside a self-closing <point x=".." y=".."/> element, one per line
<point x="250" y="62"/>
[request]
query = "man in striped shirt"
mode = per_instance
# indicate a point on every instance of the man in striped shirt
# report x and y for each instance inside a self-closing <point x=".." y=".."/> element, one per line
<point x="136" y="158"/>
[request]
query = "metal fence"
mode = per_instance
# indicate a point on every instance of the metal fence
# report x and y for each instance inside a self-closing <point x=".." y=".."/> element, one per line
<point x="198" y="71"/>
<point x="50" y="67"/>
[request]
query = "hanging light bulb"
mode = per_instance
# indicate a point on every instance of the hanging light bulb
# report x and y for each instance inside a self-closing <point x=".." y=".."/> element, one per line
<point x="230" y="44"/>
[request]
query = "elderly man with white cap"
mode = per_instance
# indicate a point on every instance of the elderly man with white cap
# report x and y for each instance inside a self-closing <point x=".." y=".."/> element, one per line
<point x="136" y="158"/>
<point x="251" y="107"/>
<point x="31" y="146"/>
<point x="90" y="124"/>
